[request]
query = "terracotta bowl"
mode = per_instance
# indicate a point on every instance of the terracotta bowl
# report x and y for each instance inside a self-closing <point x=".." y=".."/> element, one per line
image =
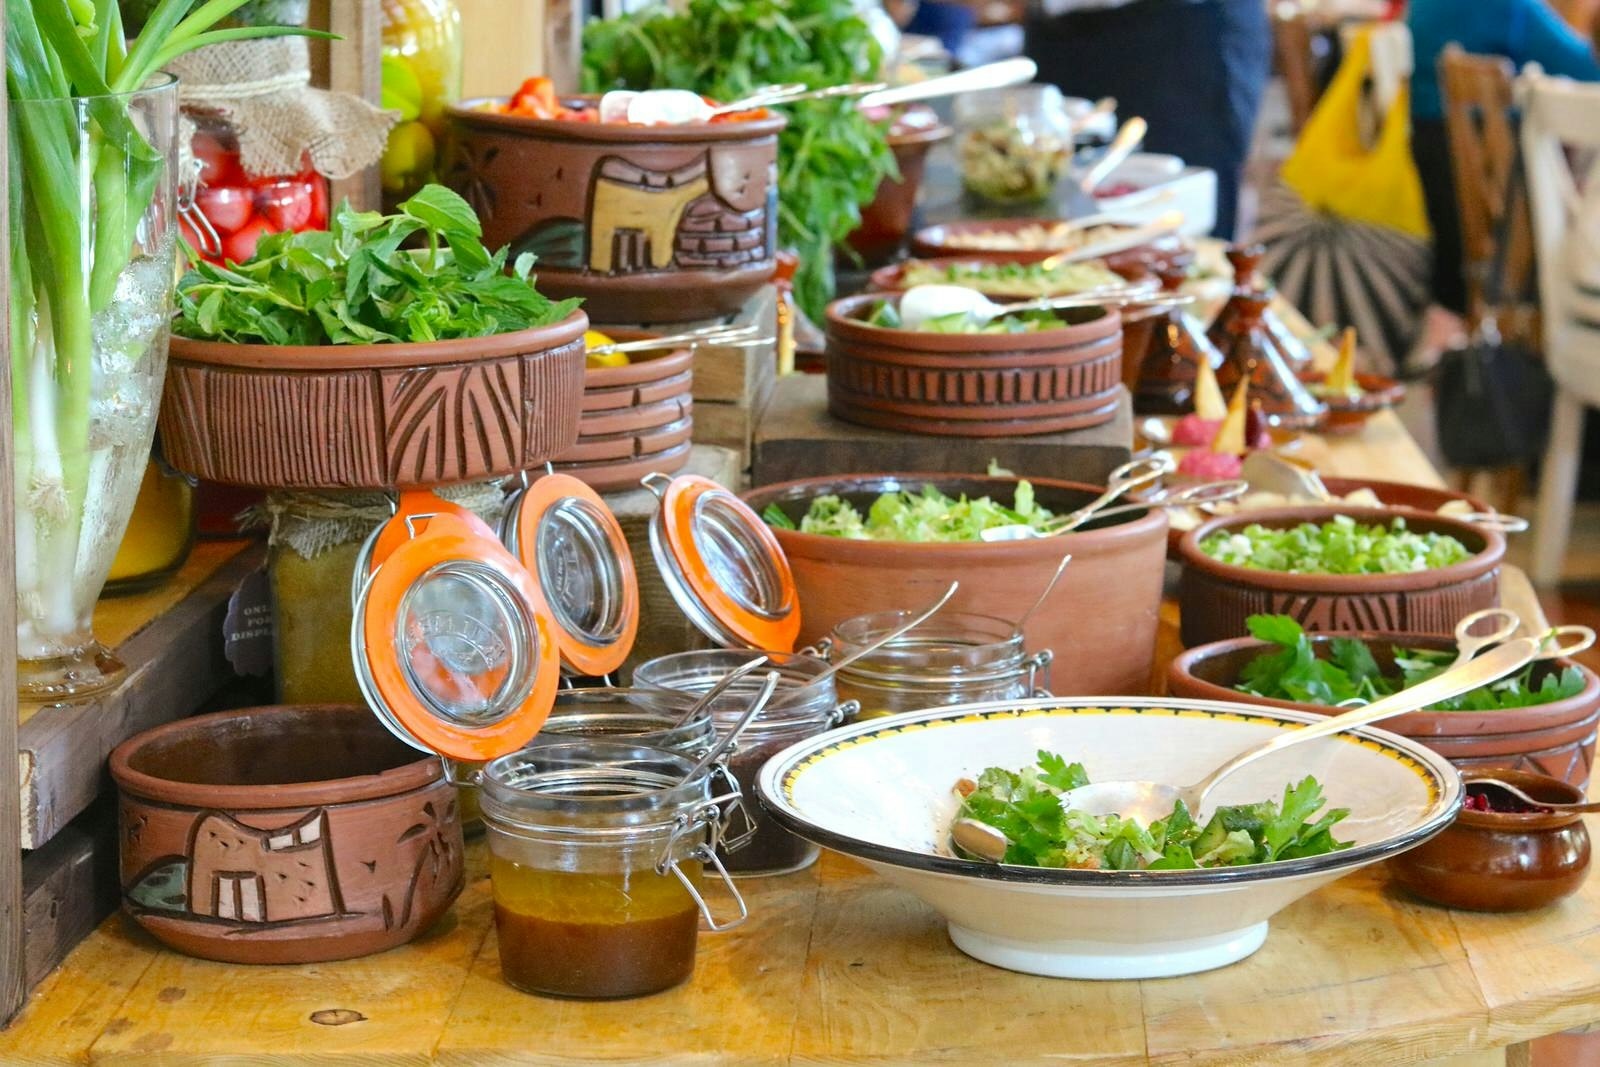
<point x="1556" y="739"/>
<point x="1100" y="620"/>
<point x="1503" y="861"/>
<point x="1346" y="415"/>
<point x="973" y="385"/>
<point x="646" y="223"/>
<point x="640" y="414"/>
<point x="288" y="834"/>
<point x="887" y="219"/>
<point x="373" y="416"/>
<point x="1214" y="599"/>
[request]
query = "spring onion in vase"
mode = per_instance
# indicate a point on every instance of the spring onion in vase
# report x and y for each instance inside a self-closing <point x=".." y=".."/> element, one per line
<point x="92" y="139"/>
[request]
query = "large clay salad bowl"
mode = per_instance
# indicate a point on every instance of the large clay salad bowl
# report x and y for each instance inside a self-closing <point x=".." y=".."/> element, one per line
<point x="881" y="791"/>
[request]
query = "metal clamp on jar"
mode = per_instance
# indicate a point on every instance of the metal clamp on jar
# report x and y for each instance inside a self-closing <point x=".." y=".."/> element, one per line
<point x="599" y="851"/>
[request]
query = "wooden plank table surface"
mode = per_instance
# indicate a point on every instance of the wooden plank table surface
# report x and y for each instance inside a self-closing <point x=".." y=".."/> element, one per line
<point x="837" y="967"/>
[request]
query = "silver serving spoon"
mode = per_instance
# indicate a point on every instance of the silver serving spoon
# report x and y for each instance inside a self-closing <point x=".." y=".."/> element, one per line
<point x="719" y="688"/>
<point x="725" y="742"/>
<point x="1049" y="587"/>
<point x="721" y="336"/>
<point x="899" y="631"/>
<point x="1148" y="801"/>
<point x="1129" y="476"/>
<point x="1552" y="805"/>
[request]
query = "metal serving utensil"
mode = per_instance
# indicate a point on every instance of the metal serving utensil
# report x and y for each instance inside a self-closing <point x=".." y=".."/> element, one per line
<point x="899" y="631"/>
<point x="721" y="687"/>
<point x="725" y="742"/>
<point x="1550" y="805"/>
<point x="721" y="336"/>
<point x="1049" y="587"/>
<point x="1129" y="476"/>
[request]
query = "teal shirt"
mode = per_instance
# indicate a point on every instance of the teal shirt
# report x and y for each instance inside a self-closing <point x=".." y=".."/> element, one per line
<point x="1524" y="31"/>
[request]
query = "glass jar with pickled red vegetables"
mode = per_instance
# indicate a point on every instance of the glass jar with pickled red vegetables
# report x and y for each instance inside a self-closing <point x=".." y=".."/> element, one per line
<point x="422" y="68"/>
<point x="600" y="857"/>
<point x="233" y="210"/>
<point x="952" y="658"/>
<point x="803" y="705"/>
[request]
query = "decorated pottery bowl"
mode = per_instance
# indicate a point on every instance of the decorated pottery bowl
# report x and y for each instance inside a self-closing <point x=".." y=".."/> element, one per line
<point x="881" y="792"/>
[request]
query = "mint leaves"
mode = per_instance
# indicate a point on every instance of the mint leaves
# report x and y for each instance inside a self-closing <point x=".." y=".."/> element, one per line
<point x="421" y="274"/>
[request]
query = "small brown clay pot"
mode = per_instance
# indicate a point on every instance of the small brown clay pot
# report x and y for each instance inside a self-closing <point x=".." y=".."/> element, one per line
<point x="1503" y="861"/>
<point x="288" y="834"/>
<point x="373" y="416"/>
<point x="973" y="384"/>
<point x="1100" y="621"/>
<point x="646" y="223"/>
<point x="639" y="414"/>
<point x="1555" y="739"/>
<point x="1215" y="599"/>
<point x="887" y="219"/>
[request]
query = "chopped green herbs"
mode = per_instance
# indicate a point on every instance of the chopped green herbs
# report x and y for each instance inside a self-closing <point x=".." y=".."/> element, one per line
<point x="904" y="516"/>
<point x="1338" y="546"/>
<point x="1349" y="672"/>
<point x="356" y="284"/>
<point x="1026" y="807"/>
<point x="1014" y="279"/>
<point x="887" y="315"/>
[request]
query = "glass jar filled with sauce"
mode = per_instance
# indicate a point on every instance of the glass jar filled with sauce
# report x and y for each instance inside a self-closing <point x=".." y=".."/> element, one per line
<point x="600" y="851"/>
<point x="952" y="658"/>
<point x="802" y="707"/>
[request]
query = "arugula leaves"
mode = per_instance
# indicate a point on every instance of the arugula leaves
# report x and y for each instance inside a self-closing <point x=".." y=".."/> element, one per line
<point x="1294" y="672"/>
<point x="1026" y="806"/>
<point x="360" y="283"/>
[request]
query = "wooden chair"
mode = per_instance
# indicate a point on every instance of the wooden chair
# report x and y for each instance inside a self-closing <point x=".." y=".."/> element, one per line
<point x="1558" y="126"/>
<point x="1477" y="95"/>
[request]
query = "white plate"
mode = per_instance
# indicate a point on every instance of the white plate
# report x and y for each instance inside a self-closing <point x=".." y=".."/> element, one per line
<point x="881" y="791"/>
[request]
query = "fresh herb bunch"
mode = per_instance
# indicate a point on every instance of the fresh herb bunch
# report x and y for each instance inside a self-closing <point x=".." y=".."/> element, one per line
<point x="1339" y="546"/>
<point x="355" y="283"/>
<point x="928" y="516"/>
<point x="1026" y="806"/>
<point x="1295" y="673"/>
<point x="831" y="157"/>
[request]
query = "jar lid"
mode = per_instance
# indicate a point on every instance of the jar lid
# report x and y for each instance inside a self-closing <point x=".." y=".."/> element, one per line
<point x="413" y="510"/>
<point x="567" y="537"/>
<point x="722" y="565"/>
<point x="449" y="649"/>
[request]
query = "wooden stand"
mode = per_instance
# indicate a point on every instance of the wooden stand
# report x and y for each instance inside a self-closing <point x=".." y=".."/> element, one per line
<point x="797" y="438"/>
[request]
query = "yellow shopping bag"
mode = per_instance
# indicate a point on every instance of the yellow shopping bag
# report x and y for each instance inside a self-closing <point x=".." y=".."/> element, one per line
<point x="1334" y="172"/>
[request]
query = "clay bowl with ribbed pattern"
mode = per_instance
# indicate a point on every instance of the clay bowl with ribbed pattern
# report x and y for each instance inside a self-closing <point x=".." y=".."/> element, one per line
<point x="973" y="384"/>
<point x="1216" y="598"/>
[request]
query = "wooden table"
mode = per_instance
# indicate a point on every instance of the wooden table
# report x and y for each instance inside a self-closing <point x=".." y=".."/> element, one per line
<point x="835" y="966"/>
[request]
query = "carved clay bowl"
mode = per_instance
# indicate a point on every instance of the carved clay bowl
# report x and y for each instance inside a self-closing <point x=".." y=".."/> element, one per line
<point x="650" y="224"/>
<point x="1557" y="739"/>
<point x="373" y="416"/>
<point x="1214" y="599"/>
<point x="290" y="834"/>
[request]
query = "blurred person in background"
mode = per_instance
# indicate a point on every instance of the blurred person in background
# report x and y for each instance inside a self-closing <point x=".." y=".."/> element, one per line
<point x="1194" y="69"/>
<point x="1524" y="31"/>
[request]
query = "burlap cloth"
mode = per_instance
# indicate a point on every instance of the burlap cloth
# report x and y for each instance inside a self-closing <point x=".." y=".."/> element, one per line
<point x="262" y="88"/>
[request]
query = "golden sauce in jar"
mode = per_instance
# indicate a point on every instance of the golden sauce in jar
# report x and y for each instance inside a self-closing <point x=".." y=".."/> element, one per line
<point x="594" y="935"/>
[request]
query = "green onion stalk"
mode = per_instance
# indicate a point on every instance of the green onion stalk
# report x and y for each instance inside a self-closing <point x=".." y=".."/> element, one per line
<point x="92" y="238"/>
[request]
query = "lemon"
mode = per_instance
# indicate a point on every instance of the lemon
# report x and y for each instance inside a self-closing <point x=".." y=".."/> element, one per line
<point x="593" y="339"/>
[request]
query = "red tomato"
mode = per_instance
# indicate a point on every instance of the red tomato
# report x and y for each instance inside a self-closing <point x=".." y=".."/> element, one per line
<point x="242" y="245"/>
<point x="228" y="207"/>
<point x="285" y="203"/>
<point x="220" y="165"/>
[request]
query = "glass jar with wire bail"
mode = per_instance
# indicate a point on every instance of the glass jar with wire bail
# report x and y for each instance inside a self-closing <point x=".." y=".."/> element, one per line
<point x="599" y="852"/>
<point x="803" y="706"/>
<point x="952" y="658"/>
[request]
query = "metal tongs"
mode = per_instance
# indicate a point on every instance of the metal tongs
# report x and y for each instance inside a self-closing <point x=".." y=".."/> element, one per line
<point x="1123" y="480"/>
<point x="748" y="336"/>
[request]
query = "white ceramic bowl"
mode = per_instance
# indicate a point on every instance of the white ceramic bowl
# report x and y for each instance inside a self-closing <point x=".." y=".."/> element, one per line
<point x="881" y="791"/>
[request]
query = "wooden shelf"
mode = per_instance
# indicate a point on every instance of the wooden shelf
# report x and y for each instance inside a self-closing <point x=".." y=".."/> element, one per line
<point x="170" y="639"/>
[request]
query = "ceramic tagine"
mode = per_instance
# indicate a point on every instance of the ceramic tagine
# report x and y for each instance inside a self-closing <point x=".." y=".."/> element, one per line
<point x="1248" y="282"/>
<point x="1178" y="347"/>
<point x="1249" y="354"/>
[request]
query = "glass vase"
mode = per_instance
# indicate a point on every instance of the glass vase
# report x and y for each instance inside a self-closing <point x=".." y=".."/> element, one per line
<point x="91" y="188"/>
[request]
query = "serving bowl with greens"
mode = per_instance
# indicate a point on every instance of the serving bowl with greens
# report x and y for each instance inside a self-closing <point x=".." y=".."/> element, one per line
<point x="1037" y="372"/>
<point x="1013" y="281"/>
<point x="1109" y="903"/>
<point x="1543" y="719"/>
<point x="1336" y="567"/>
<point x="865" y="543"/>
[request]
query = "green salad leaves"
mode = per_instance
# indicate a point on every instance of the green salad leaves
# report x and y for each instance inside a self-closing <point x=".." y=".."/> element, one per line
<point x="903" y="516"/>
<point x="1026" y="806"/>
<point x="887" y="315"/>
<point x="1294" y="672"/>
<point x="1339" y="546"/>
<point x="357" y="283"/>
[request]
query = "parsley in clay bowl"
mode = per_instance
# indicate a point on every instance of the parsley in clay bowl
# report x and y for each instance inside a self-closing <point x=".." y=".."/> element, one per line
<point x="387" y="351"/>
<point x="1543" y="720"/>
<point x="1336" y="567"/>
